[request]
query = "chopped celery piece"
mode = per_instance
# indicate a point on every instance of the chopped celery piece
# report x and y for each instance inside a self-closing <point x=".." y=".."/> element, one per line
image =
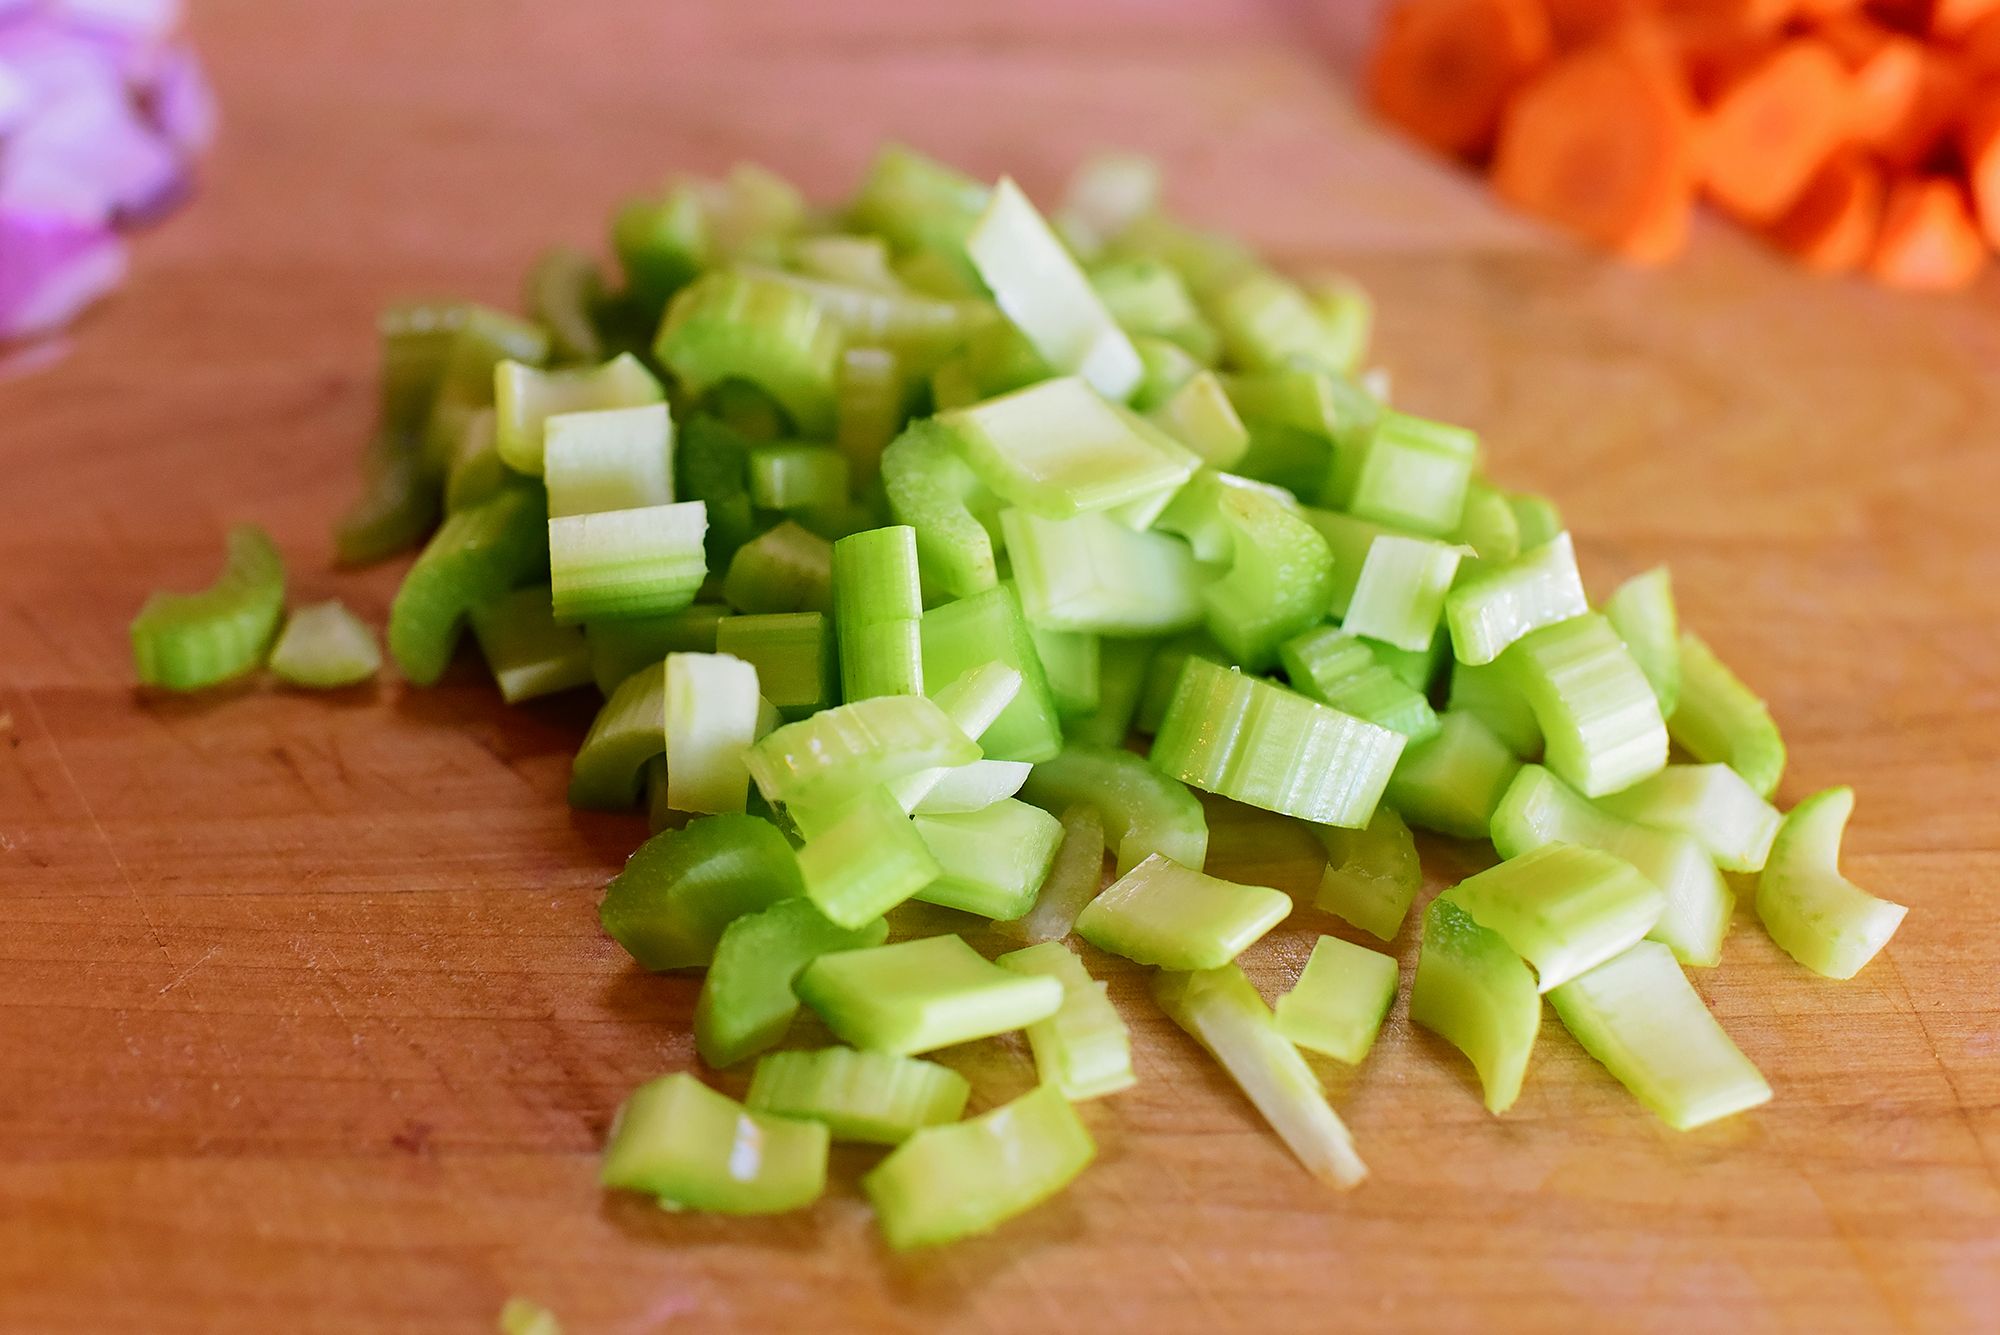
<point x="1340" y="1000"/>
<point x="1205" y="260"/>
<point x="324" y="645"/>
<point x="988" y="627"/>
<point x="1412" y="473"/>
<point x="1331" y="414"/>
<point x="712" y="706"/>
<point x="992" y="860"/>
<point x="1819" y="917"/>
<point x="757" y="213"/>
<point x="966" y="1178"/>
<point x="1641" y="610"/>
<point x="1452" y="782"/>
<point x="529" y="651"/>
<point x="1344" y="307"/>
<point x="628" y="731"/>
<point x="1536" y="517"/>
<point x="1106" y="193"/>
<point x="977" y="697"/>
<point x="1280" y="571"/>
<point x="561" y="289"/>
<point x="416" y="342"/>
<point x="1122" y="667"/>
<point x="187" y="641"/>
<point x="1042" y="291"/>
<point x="1074" y="879"/>
<point x="952" y="385"/>
<point x="682" y="888"/>
<point x="923" y="328"/>
<point x="824" y="759"/>
<point x="476" y="470"/>
<point x="1091" y="573"/>
<point x="877" y="605"/>
<point x="609" y="459"/>
<point x="1563" y="908"/>
<point x="1401" y="591"/>
<point x="1164" y="368"/>
<point x="934" y="491"/>
<point x="797" y="477"/>
<point x="999" y="359"/>
<point x="627" y="563"/>
<point x="620" y="648"/>
<point x="915" y="996"/>
<point x="1639" y="1016"/>
<point x="681" y="1141"/>
<point x="1163" y="676"/>
<point x="712" y="465"/>
<point x="871" y="402"/>
<point x="477" y="554"/>
<point x="524" y="398"/>
<point x="1165" y="914"/>
<point x="1148" y="300"/>
<point x="1600" y="720"/>
<point x="1083" y="1049"/>
<point x="1488" y="525"/>
<point x="1263" y="745"/>
<point x="750" y="414"/>
<point x="1144" y="811"/>
<point x="1488" y="693"/>
<point x="916" y="202"/>
<point x="1200" y="416"/>
<point x="759" y="329"/>
<point x="1371" y="875"/>
<point x="746" y="1001"/>
<point x="874" y="1097"/>
<point x="858" y="261"/>
<point x="1070" y="661"/>
<point x="1499" y="604"/>
<point x="1710" y="804"/>
<point x="1223" y="1013"/>
<point x="662" y="244"/>
<point x="792" y="653"/>
<point x="973" y="787"/>
<point x="518" y="1316"/>
<point x="1349" y="539"/>
<point x="862" y="858"/>
<point x="784" y="569"/>
<point x="1267" y="324"/>
<point x="1479" y="996"/>
<point x="480" y="341"/>
<point x="1416" y="668"/>
<point x="1718" y="719"/>
<point x="397" y="506"/>
<point x="1343" y="671"/>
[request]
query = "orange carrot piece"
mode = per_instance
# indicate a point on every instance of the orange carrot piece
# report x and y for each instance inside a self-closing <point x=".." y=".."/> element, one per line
<point x="1928" y="242"/>
<point x="1772" y="129"/>
<point x="1715" y="54"/>
<point x="1832" y="227"/>
<point x="1885" y="74"/>
<point x="1575" y="23"/>
<point x="1765" y="16"/>
<point x="1951" y="19"/>
<point x="1443" y="69"/>
<point x="1979" y="145"/>
<point x="1979" y="49"/>
<point x="1943" y="89"/>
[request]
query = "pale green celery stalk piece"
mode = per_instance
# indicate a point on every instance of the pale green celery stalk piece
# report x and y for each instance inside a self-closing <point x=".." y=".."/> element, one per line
<point x="1205" y="260"/>
<point x="1479" y="996"/>
<point x="525" y="397"/>
<point x="1488" y="693"/>
<point x="1107" y="193"/>
<point x="1267" y="324"/>
<point x="1641" y="610"/>
<point x="973" y="787"/>
<point x="1718" y="719"/>
<point x="1819" y="917"/>
<point x="1343" y="671"/>
<point x="1488" y="526"/>
<point x="1165" y="914"/>
<point x="746" y="1002"/>
<point x="1093" y="574"/>
<point x="1122" y="667"/>
<point x="1070" y="660"/>
<point x="1247" y="739"/>
<point x="1223" y="1012"/>
<point x="792" y="653"/>
<point x="1163" y="676"/>
<point x="797" y="477"/>
<point x="760" y="329"/>
<point x="628" y="731"/>
<point x="861" y="858"/>
<point x="416" y="343"/>
<point x="1348" y="313"/>
<point x="711" y="465"/>
<point x="784" y="569"/>
<point x="877" y="604"/>
<point x="1401" y="591"/>
<point x="1279" y="574"/>
<point x="1639" y="1016"/>
<point x="693" y="1148"/>
<point x="1536" y="517"/>
<point x="834" y="754"/>
<point x="934" y="491"/>
<point x="1000" y="359"/>
<point x="1200" y="416"/>
<point x="919" y="995"/>
<point x="325" y="646"/>
<point x="1149" y="299"/>
<point x="518" y="1316"/>
<point x="682" y="888"/>
<point x="871" y="403"/>
<point x="1040" y="288"/>
<point x="1600" y="721"/>
<point x="1563" y="908"/>
<point x="873" y="1097"/>
<point x="481" y="338"/>
<point x="609" y="459"/>
<point x="627" y="563"/>
<point x="1083" y="1049"/>
<point x="952" y="385"/>
<point x="476" y="555"/>
<point x="1417" y="669"/>
<point x="916" y="202"/>
<point x="967" y="1178"/>
<point x="1350" y="540"/>
<point x="1074" y="879"/>
<point x="1499" y="604"/>
<point x="712" y="704"/>
<point x="1165" y="367"/>
<point x="620" y="648"/>
<point x="1334" y="411"/>
<point x="1144" y="811"/>
<point x="942" y="273"/>
<point x="969" y="633"/>
<point x="1710" y="804"/>
<point x="397" y="506"/>
<point x="1540" y="809"/>
<point x="1340" y="1000"/>
<point x="529" y="652"/>
<point x="857" y="261"/>
<point x="1454" y="781"/>
<point x="992" y="860"/>
<point x="1412" y="473"/>
<point x="1371" y="875"/>
<point x="562" y="289"/>
<point x="662" y="243"/>
<point x="476" y="469"/>
<point x="757" y="213"/>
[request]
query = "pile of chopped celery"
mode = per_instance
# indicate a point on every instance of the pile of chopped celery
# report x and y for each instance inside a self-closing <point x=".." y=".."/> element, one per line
<point x="933" y="549"/>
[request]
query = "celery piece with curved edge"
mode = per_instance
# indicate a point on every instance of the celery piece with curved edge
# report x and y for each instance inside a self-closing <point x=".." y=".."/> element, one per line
<point x="920" y="328"/>
<point x="1563" y="908"/>
<point x="1165" y="914"/>
<point x="1401" y="591"/>
<point x="1641" y="610"/>
<point x="1710" y="804"/>
<point x="1122" y="669"/>
<point x="936" y="493"/>
<point x="754" y="416"/>
<point x="915" y="201"/>
<point x="1536" y="517"/>
<point x="398" y="504"/>
<point x="836" y="753"/>
<point x="1819" y="917"/>
<point x="1453" y="782"/>
<point x="712" y="465"/>
<point x="973" y="787"/>
<point x="1200" y="416"/>
<point x="973" y="700"/>
<point x="1488" y="693"/>
<point x="525" y="397"/>
<point x="188" y="641"/>
<point x="1372" y="874"/>
<point x="476" y="470"/>
<point x="608" y="459"/>
<point x="1600" y="721"/>
<point x="1106" y="193"/>
<point x="1163" y="368"/>
<point x="1163" y="675"/>
<point x="1143" y="810"/>
<point x="562" y="289"/>
<point x="746" y="1002"/>
<point x="1349" y="539"/>
<point x="873" y="1097"/>
<point x="915" y="996"/>
<point x="476" y="555"/>
<point x="967" y="1178"/>
<point x="1070" y="660"/>
<point x="324" y="646"/>
<point x="1347" y="312"/>
<point x="682" y="888"/>
<point x="792" y="653"/>
<point x="1718" y="719"/>
<point x="1267" y="324"/>
<point x="1339" y="1001"/>
<point x="784" y="569"/>
<point x="1149" y="299"/>
<point x="712" y="705"/>
<point x="1638" y="1015"/>
<point x="620" y="648"/>
<point x="1500" y="603"/>
<point x="877" y="607"/>
<point x="1256" y="742"/>
<point x="481" y="339"/>
<point x="1488" y="526"/>
<point x="417" y="340"/>
<point x="797" y="477"/>
<point x="529" y="652"/>
<point x="871" y="403"/>
<point x="988" y="627"/>
<point x="628" y="731"/>
<point x="679" y="1140"/>
<point x="1222" y="1012"/>
<point x="1280" y="571"/>
<point x="992" y="860"/>
<point x="1342" y="670"/>
<point x="627" y="563"/>
<point x="1074" y="879"/>
<point x="862" y="857"/>
<point x="1092" y="573"/>
<point x="1479" y="996"/>
<point x="1083" y="1049"/>
<point x="760" y="329"/>
<point x="662" y="243"/>
<point x="519" y="1316"/>
<point x="1412" y="473"/>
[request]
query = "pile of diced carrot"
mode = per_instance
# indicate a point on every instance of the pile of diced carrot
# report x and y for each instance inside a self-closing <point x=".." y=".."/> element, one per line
<point x="1854" y="135"/>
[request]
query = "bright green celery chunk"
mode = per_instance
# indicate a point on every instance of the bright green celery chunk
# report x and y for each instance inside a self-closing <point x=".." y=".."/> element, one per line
<point x="919" y="995"/>
<point x="966" y="1178"/>
<point x="620" y="648"/>
<point x="1091" y="573"/>
<point x="1479" y="996"/>
<point x="1499" y="604"/>
<point x="1223" y="1012"/>
<point x="476" y="470"/>
<point x="712" y="704"/>
<point x="1600" y="721"/>
<point x="1488" y="693"/>
<point x="1263" y="745"/>
<point x="628" y="731"/>
<point x="993" y="860"/>
<point x="1200" y="416"/>
<point x="873" y="1097"/>
<point x="916" y="202"/>
<point x="477" y="554"/>
<point x="1563" y="908"/>
<point x="1143" y="810"/>
<point x="746" y="1002"/>
<point x="797" y="477"/>
<point x="1401" y="591"/>
<point x="1488" y="525"/>
<point x="530" y="653"/>
<point x="862" y="857"/>
<point x="627" y="563"/>
<point x="919" y="327"/>
<point x="1417" y="669"/>
<point x="756" y="213"/>
<point x="398" y="504"/>
<point x="681" y="1141"/>
<point x="953" y="385"/>
<point x="1267" y="324"/>
<point x="1122" y="667"/>
<point x="1344" y="307"/>
<point x="973" y="787"/>
<point x="1819" y="917"/>
<point x="682" y="888"/>
<point x="1638" y="1015"/>
<point x="479" y="341"/>
<point x="871" y="403"/>
<point x="1163" y="677"/>
<point x="712" y="465"/>
<point x="1334" y="412"/>
<point x="1453" y="782"/>
<point x="1280" y="572"/>
<point x="792" y="653"/>
<point x="1106" y="193"/>
<point x="1641" y="610"/>
<point x="1350" y="540"/>
<point x="1165" y="914"/>
<point x="325" y="646"/>
<point x="1536" y="517"/>
<point x="934" y="491"/>
<point x="1039" y="287"/>
<point x="1371" y="875"/>
<point x="1074" y="879"/>
<point x="834" y="754"/>
<point x="417" y="341"/>
<point x="662" y="243"/>
<point x="877" y="605"/>
<point x="1070" y="661"/>
<point x="858" y="261"/>
<point x="1164" y="368"/>
<point x="1340" y="1000"/>
<point x="973" y="701"/>
<point x="187" y="641"/>
<point x="999" y="359"/>
<point x="525" y="397"/>
<point x="1148" y="298"/>
<point x="562" y="288"/>
<point x="1718" y="719"/>
<point x="759" y="329"/>
<point x="1204" y="260"/>
<point x="784" y="569"/>
<point x="1710" y="804"/>
<point x="1342" y="670"/>
<point x="1285" y="457"/>
<point x="609" y="459"/>
<point x="1540" y="809"/>
<point x="1083" y="1049"/>
<point x="519" y="1316"/>
<point x="1412" y="473"/>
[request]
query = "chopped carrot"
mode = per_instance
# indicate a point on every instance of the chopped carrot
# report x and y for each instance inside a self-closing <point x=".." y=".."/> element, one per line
<point x="1443" y="69"/>
<point x="1773" y="128"/>
<point x="1979" y="49"/>
<point x="1885" y="73"/>
<point x="1943" y="88"/>
<point x="1574" y="23"/>
<point x="1832" y="227"/>
<point x="1955" y="18"/>
<point x="1714" y="54"/>
<point x="1825" y="9"/>
<point x="1745" y="15"/>
<point x="1928" y="242"/>
<point x="1979" y="145"/>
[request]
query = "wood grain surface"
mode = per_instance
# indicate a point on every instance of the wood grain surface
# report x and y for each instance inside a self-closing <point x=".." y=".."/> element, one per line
<point x="308" y="1025"/>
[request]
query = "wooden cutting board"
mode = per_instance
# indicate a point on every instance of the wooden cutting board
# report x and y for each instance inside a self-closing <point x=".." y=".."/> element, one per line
<point x="308" y="1023"/>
